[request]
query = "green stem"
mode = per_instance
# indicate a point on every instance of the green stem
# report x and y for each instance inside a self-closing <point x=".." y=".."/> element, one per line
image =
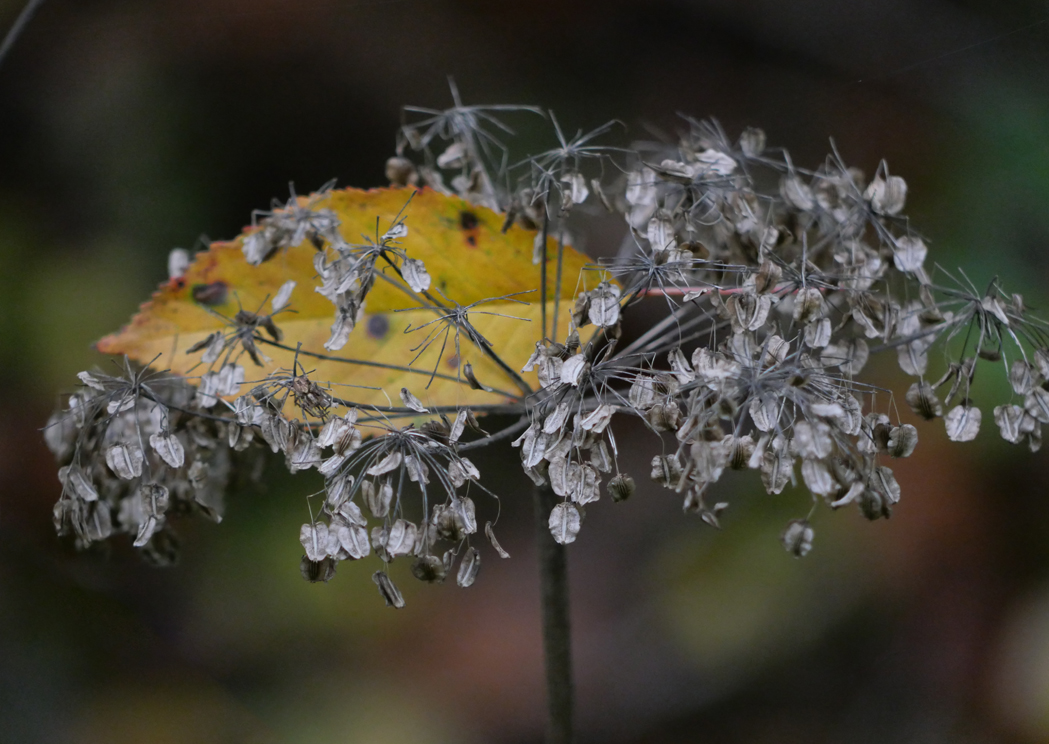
<point x="557" y="649"/>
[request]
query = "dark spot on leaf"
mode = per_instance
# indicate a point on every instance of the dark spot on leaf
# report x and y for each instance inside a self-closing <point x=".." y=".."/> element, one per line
<point x="378" y="326"/>
<point x="468" y="220"/>
<point x="471" y="240"/>
<point x="178" y="282"/>
<point x="453" y="361"/>
<point x="210" y="294"/>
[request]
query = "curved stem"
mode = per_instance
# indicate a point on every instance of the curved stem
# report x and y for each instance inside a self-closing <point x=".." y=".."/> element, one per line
<point x="557" y="649"/>
<point x="20" y="23"/>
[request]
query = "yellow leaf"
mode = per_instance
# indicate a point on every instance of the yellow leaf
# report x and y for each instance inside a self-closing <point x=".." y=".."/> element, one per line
<point x="467" y="256"/>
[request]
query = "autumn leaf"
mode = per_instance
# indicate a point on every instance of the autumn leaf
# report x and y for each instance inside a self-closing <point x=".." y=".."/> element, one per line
<point x="401" y="341"/>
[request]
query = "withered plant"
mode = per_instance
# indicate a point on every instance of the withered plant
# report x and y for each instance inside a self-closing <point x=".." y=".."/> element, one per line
<point x="776" y="283"/>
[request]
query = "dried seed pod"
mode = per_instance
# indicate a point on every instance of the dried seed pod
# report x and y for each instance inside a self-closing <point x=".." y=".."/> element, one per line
<point x="600" y="457"/>
<point x="565" y="521"/>
<point x="314" y="571"/>
<point x="797" y="194"/>
<point x="621" y="487"/>
<point x="455" y="156"/>
<point x="464" y="507"/>
<point x="742" y="449"/>
<point x="490" y="534"/>
<point x="813" y="439"/>
<point x="1021" y="377"/>
<point x="776" y="471"/>
<point x="74" y="480"/>
<point x="818" y="478"/>
<point x="664" y="417"/>
<point x="60" y="435"/>
<point x="963" y="422"/>
<point x="461" y="470"/>
<point x="555" y="420"/>
<point x="1036" y="403"/>
<point x="597" y="420"/>
<point x="886" y="194"/>
<point x="808" y="305"/>
<point x="314" y="539"/>
<point x="448" y="522"/>
<point x="387" y="590"/>
<point x="471" y="378"/>
<point x="575" y="191"/>
<point x="1010" y="419"/>
<point x="764" y="412"/>
<point x="125" y="460"/>
<point x="401" y="172"/>
<point x="346" y="316"/>
<point x="752" y="142"/>
<point x="400" y="540"/>
<point x="666" y="470"/>
<point x="660" y="234"/>
<point x="797" y="537"/>
<point x="574" y="369"/>
<point x="902" y="441"/>
<point x="387" y="464"/>
<point x="715" y="163"/>
<point x="923" y="401"/>
<point x="603" y="310"/>
<point x="377" y="497"/>
<point x="817" y="335"/>
<point x="414" y="272"/>
<point x="775" y="351"/>
<point x="417" y="470"/>
<point x="853" y="494"/>
<point x="429" y="568"/>
<point x="410" y="401"/>
<point x="767" y="277"/>
<point x="748" y="312"/>
<point x="850" y="355"/>
<point x="468" y="568"/>
<point x="348" y="540"/>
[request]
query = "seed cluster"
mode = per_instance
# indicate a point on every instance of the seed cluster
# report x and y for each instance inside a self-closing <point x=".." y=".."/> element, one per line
<point x="776" y="285"/>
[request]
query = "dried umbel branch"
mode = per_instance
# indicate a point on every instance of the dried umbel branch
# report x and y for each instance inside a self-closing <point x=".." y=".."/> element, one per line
<point x="778" y="284"/>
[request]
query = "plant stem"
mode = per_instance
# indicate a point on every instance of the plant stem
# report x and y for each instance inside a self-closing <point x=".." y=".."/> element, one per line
<point x="557" y="648"/>
<point x="20" y="23"/>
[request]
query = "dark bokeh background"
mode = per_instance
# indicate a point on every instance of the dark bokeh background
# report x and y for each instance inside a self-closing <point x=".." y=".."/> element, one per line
<point x="130" y="127"/>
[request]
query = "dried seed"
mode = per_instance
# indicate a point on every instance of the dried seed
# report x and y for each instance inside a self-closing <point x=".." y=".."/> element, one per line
<point x="125" y="460"/>
<point x="429" y="568"/>
<point x="314" y="539"/>
<point x="963" y="422"/>
<point x="74" y="480"/>
<point x="314" y="571"/>
<point x="388" y="464"/>
<point x="468" y="568"/>
<point x="902" y="441"/>
<point x="923" y="401"/>
<point x="415" y="274"/>
<point x="1009" y="419"/>
<point x="621" y="487"/>
<point x="603" y="308"/>
<point x="490" y="534"/>
<point x="797" y="537"/>
<point x="283" y="296"/>
<point x="387" y="590"/>
<point x="377" y="498"/>
<point x="410" y="401"/>
<point x="565" y="521"/>
<point x="574" y="369"/>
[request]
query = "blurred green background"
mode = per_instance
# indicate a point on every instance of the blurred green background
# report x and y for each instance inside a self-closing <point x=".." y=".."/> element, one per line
<point x="131" y="127"/>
